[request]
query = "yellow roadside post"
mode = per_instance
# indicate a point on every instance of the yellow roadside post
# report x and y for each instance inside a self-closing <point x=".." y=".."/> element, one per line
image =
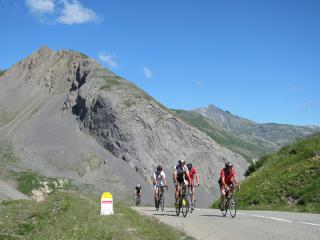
<point x="106" y="204"/>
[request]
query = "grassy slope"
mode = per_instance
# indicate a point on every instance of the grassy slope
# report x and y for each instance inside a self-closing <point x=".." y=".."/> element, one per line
<point x="247" y="149"/>
<point x="287" y="180"/>
<point x="2" y="72"/>
<point x="68" y="215"/>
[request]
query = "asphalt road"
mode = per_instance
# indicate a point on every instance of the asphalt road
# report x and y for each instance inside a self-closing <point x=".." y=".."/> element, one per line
<point x="262" y="225"/>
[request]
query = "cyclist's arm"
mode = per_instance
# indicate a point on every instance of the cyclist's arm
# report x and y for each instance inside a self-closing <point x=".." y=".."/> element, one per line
<point x="188" y="176"/>
<point x="223" y="181"/>
<point x="175" y="177"/>
<point x="237" y="183"/>
<point x="154" y="179"/>
<point x="164" y="178"/>
<point x="197" y="178"/>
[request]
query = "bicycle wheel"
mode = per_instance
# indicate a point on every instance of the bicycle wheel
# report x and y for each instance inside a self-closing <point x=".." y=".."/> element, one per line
<point x="184" y="206"/>
<point x="162" y="202"/>
<point x="156" y="204"/>
<point x="233" y="207"/>
<point x="189" y="202"/>
<point x="178" y="207"/>
<point x="225" y="209"/>
<point x="137" y="201"/>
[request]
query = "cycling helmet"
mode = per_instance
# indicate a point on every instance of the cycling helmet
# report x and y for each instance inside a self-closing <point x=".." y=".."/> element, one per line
<point x="189" y="165"/>
<point x="138" y="185"/>
<point x="159" y="168"/>
<point x="228" y="165"/>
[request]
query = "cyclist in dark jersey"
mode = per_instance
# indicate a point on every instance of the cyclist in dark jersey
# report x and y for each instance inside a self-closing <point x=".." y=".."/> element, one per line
<point x="180" y="176"/>
<point x="138" y="190"/>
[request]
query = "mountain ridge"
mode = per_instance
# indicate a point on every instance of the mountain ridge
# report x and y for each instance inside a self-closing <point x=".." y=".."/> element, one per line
<point x="280" y="134"/>
<point x="67" y="115"/>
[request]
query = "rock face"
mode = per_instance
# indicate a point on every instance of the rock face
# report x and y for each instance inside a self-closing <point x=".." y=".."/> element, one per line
<point x="48" y="97"/>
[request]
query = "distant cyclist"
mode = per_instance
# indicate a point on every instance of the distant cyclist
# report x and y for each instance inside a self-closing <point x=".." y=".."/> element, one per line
<point x="180" y="177"/>
<point x="228" y="177"/>
<point x="159" y="181"/>
<point x="193" y="173"/>
<point x="138" y="191"/>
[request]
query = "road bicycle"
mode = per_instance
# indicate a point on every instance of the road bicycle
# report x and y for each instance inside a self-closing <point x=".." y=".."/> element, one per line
<point x="229" y="203"/>
<point x="138" y="199"/>
<point x="183" y="201"/>
<point x="192" y="205"/>
<point x="159" y="202"/>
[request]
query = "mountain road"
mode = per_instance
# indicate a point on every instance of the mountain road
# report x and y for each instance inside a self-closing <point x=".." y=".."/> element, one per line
<point x="262" y="225"/>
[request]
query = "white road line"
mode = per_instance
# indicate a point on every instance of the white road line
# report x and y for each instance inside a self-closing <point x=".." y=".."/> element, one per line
<point x="281" y="219"/>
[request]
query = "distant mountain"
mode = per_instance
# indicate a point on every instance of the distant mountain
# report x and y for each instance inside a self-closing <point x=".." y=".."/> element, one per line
<point x="249" y="147"/>
<point x="241" y="135"/>
<point x="63" y="114"/>
<point x="279" y="134"/>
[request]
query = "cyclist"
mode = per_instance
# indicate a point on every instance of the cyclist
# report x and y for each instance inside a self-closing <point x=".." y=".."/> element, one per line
<point x="180" y="176"/>
<point x="159" y="181"/>
<point x="227" y="178"/>
<point x="138" y="191"/>
<point x="193" y="173"/>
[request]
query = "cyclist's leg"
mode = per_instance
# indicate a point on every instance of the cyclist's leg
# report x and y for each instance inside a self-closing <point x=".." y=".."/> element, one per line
<point x="161" y="188"/>
<point x="186" y="183"/>
<point x="193" y="191"/>
<point x="222" y="196"/>
<point x="231" y="190"/>
<point x="177" y="191"/>
<point x="155" y="192"/>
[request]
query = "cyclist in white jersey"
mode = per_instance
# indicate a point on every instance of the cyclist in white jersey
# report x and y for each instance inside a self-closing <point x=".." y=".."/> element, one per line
<point x="159" y="181"/>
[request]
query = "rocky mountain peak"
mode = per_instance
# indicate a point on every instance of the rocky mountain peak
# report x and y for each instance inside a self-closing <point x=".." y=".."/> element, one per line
<point x="52" y="71"/>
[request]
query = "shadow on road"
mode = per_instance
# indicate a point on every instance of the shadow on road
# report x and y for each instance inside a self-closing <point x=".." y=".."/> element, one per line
<point x="165" y="214"/>
<point x="211" y="215"/>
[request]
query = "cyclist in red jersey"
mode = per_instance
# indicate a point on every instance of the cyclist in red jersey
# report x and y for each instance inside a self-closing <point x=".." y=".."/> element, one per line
<point x="193" y="173"/>
<point x="228" y="176"/>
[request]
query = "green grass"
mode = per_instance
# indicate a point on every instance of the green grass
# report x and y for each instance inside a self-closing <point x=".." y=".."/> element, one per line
<point x="110" y="82"/>
<point x="129" y="103"/>
<point x="247" y="149"/>
<point x="69" y="215"/>
<point x="287" y="180"/>
<point x="2" y="72"/>
<point x="28" y="181"/>
<point x="90" y="162"/>
<point x="83" y="55"/>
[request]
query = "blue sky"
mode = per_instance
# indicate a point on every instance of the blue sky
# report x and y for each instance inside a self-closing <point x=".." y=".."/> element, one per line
<point x="259" y="59"/>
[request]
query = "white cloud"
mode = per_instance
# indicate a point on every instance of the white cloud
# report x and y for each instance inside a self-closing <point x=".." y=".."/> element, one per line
<point x="74" y="13"/>
<point x="40" y="6"/>
<point x="147" y="72"/>
<point x="110" y="59"/>
<point x="199" y="83"/>
<point x="61" y="11"/>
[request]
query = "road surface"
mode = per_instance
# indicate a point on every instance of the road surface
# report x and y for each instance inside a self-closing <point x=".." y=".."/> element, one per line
<point x="263" y="225"/>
